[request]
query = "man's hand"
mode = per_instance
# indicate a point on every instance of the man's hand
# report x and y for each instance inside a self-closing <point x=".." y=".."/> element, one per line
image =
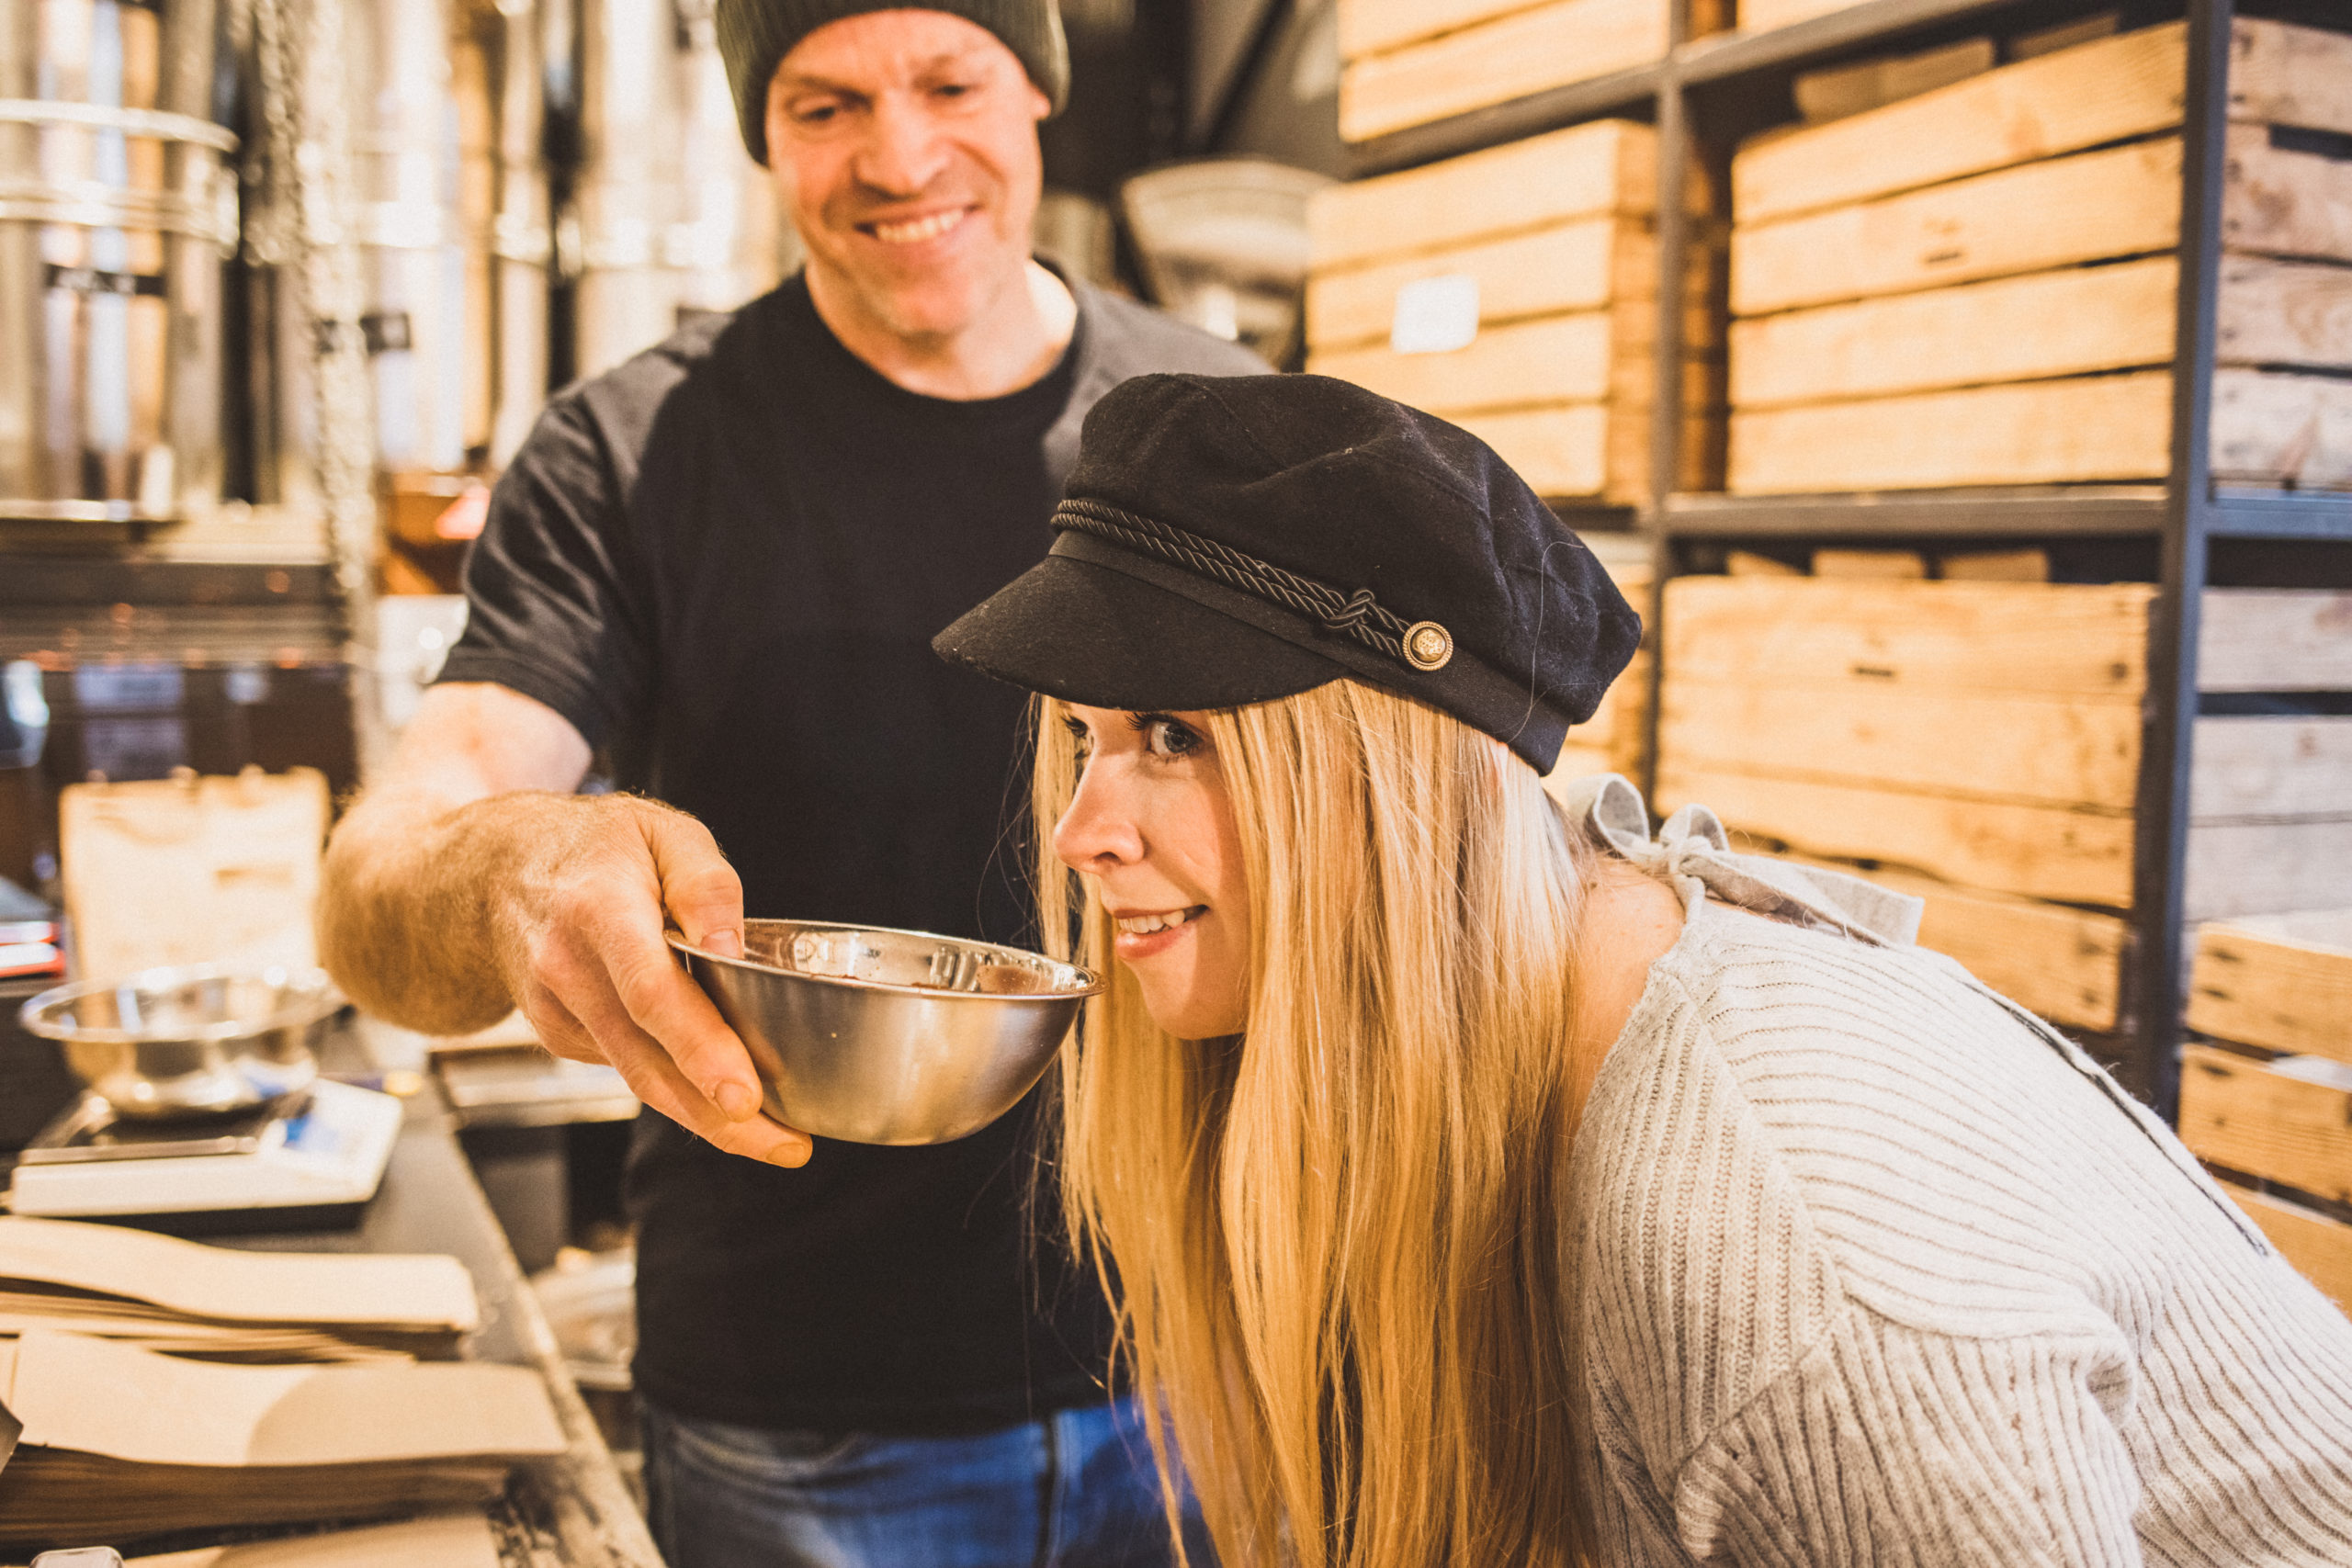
<point x="577" y="932"/>
<point x="470" y="881"/>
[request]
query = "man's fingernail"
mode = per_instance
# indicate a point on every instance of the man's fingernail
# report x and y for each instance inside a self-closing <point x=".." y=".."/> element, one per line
<point x="727" y="941"/>
<point x="790" y="1157"/>
<point x="736" y="1099"/>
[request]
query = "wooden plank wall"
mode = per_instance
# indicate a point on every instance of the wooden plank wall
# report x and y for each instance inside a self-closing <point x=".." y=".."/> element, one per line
<point x="1551" y="241"/>
<point x="1975" y="284"/>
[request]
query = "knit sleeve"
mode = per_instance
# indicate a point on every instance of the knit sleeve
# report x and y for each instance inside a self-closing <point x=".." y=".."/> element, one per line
<point x="1892" y="1445"/>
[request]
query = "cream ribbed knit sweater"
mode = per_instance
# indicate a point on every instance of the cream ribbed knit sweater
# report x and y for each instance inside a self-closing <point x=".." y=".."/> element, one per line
<point x="1873" y="1269"/>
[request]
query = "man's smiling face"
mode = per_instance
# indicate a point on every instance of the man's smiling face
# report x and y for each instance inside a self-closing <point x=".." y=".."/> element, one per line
<point x="904" y="145"/>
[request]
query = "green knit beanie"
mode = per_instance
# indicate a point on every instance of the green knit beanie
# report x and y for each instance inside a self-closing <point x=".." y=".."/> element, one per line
<point x="755" y="35"/>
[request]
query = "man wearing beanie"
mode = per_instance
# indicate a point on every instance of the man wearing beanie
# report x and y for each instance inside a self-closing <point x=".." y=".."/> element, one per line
<point x="715" y="572"/>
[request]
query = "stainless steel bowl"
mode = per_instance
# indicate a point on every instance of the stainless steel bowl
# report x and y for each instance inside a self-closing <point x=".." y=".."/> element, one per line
<point x="192" y="1040"/>
<point x="879" y="1036"/>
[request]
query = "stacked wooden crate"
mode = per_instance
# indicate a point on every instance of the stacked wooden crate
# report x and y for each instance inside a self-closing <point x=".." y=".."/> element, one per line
<point x="1405" y="63"/>
<point x="2273" y="1104"/>
<point x="1514" y="290"/>
<point x="1979" y="743"/>
<point x="2270" y="796"/>
<point x="1977" y="284"/>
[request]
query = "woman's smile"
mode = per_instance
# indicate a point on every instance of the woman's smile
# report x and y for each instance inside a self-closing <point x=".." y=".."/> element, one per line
<point x="1151" y="827"/>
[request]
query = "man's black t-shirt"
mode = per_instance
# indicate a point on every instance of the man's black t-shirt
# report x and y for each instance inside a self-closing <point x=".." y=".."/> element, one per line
<point x="723" y="562"/>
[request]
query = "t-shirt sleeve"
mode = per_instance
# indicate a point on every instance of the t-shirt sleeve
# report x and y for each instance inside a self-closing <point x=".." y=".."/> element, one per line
<point x="1888" y="1444"/>
<point x="556" y="596"/>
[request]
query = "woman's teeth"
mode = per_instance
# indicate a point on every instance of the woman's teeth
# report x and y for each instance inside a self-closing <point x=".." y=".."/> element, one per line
<point x="1143" y="925"/>
<point x="915" y="231"/>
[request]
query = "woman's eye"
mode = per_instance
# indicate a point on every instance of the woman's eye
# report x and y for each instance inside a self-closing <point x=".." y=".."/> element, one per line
<point x="1165" y="736"/>
<point x="1081" y="743"/>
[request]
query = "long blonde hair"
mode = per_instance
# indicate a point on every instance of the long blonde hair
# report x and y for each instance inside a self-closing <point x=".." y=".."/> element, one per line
<point x="1332" y="1240"/>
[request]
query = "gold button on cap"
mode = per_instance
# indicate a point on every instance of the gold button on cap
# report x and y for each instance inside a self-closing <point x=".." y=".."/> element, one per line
<point x="1427" y="646"/>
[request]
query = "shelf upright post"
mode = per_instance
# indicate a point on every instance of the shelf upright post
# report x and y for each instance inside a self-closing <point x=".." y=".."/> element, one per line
<point x="2161" y="836"/>
<point x="1673" y="221"/>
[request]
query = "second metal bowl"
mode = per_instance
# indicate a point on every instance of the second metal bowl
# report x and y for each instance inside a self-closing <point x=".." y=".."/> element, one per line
<point x="192" y="1040"/>
<point x="879" y="1036"/>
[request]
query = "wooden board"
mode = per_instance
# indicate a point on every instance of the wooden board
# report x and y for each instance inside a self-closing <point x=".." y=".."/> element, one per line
<point x="2080" y="97"/>
<point x="1606" y="166"/>
<point x="2319" y="1247"/>
<point x="2119" y="201"/>
<point x="2266" y="868"/>
<point x="1494" y="62"/>
<point x="2283" y="982"/>
<point x="2238" y="1112"/>
<point x="1559" y="360"/>
<point x="2063" y="963"/>
<point x="2049" y="751"/>
<point x="1835" y="92"/>
<point x="2015" y="639"/>
<point x="2037" y="850"/>
<point x="2275" y="639"/>
<point x="1758" y="16"/>
<point x="2094" y="427"/>
<point x="2274" y="427"/>
<point x="1367" y="27"/>
<point x="1580" y="265"/>
<point x="2284" y="312"/>
<point x="1595" y="450"/>
<point x="2067" y="323"/>
<point x="2281" y="199"/>
<point x="2289" y="76"/>
<point x="2272" y="767"/>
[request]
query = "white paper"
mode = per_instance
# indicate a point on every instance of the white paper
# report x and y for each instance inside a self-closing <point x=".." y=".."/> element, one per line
<point x="430" y="1292"/>
<point x="1435" y="315"/>
<point x="445" y="1540"/>
<point x="95" y="1396"/>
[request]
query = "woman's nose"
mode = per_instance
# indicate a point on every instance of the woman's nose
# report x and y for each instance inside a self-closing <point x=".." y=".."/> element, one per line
<point x="1098" y="830"/>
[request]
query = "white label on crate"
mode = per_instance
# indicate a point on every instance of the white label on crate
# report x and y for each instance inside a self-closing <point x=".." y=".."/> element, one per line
<point x="1435" y="315"/>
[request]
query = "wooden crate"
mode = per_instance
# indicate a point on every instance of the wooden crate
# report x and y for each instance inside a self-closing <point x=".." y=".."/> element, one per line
<point x="2318" y="1245"/>
<point x="1987" y="734"/>
<point x="1492" y="59"/>
<point x="1604" y="167"/>
<point x="2064" y="962"/>
<point x="2287" y="1120"/>
<point x="2282" y="982"/>
<point x="1555" y="236"/>
<point x="1758" y="15"/>
<point x="2270" y="803"/>
<point x="1943" y="291"/>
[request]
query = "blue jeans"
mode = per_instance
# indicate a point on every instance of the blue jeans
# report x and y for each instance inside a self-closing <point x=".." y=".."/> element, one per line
<point x="1074" y="1490"/>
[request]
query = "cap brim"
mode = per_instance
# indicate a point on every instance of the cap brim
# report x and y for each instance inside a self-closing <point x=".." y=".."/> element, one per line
<point x="1089" y="635"/>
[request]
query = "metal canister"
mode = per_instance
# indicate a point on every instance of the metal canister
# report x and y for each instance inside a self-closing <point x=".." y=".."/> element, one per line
<point x="406" y="143"/>
<point x="118" y="206"/>
<point x="673" y="217"/>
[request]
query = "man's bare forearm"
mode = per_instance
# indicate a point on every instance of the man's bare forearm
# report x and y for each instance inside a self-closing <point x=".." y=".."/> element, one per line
<point x="408" y="901"/>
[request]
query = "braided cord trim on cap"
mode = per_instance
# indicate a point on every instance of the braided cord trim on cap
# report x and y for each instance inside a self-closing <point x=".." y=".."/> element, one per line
<point x="1357" y="615"/>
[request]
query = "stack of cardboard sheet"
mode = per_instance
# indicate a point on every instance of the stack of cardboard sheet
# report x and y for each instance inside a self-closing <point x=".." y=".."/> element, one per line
<point x="462" y="1539"/>
<point x="115" y="1361"/>
<point x="185" y="1299"/>
<point x="121" y="1444"/>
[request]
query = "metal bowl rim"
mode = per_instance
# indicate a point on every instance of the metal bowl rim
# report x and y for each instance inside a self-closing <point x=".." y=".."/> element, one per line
<point x="320" y="998"/>
<point x="1092" y="987"/>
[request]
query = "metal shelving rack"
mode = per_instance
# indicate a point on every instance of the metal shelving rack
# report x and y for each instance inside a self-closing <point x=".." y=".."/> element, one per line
<point x="1702" y="97"/>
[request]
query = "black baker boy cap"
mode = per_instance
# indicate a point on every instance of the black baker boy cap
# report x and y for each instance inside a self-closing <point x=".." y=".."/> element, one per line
<point x="1233" y="539"/>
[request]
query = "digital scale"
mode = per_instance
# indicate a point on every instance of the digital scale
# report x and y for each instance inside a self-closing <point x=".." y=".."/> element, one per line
<point x="308" y="1161"/>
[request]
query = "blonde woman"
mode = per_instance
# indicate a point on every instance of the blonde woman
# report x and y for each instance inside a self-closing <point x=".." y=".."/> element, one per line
<point x="1486" y="1182"/>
